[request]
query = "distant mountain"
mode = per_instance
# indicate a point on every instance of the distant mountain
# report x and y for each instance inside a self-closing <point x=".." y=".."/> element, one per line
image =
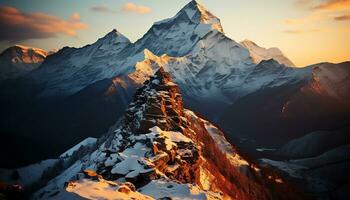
<point x="19" y="60"/>
<point x="259" y="54"/>
<point x="161" y="150"/>
<point x="318" y="161"/>
<point x="327" y="92"/>
<point x="315" y="143"/>
<point x="71" y="69"/>
<point x="284" y="112"/>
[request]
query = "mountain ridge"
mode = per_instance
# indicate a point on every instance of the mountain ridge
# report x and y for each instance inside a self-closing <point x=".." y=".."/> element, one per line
<point x="259" y="53"/>
<point x="158" y="143"/>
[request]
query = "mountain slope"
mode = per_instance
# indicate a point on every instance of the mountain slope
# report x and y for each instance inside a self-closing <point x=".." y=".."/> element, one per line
<point x="259" y="54"/>
<point x="19" y="60"/>
<point x="315" y="143"/>
<point x="158" y="145"/>
<point x="319" y="102"/>
<point x="322" y="165"/>
<point x="78" y="66"/>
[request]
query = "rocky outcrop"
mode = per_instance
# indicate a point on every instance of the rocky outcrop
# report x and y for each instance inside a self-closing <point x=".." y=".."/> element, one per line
<point x="151" y="121"/>
<point x="159" y="144"/>
<point x="157" y="103"/>
<point x="160" y="140"/>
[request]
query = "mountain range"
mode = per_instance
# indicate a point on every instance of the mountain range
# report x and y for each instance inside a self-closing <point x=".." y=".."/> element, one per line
<point x="257" y="95"/>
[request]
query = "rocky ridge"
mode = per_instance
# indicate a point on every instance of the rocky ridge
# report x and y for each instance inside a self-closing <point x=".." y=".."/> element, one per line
<point x="160" y="145"/>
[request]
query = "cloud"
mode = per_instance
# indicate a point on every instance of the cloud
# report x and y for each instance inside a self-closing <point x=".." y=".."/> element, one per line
<point x="131" y="7"/>
<point x="342" y="18"/>
<point x="298" y="31"/>
<point x="101" y="9"/>
<point x="75" y="17"/>
<point x="16" y="25"/>
<point x="333" y="5"/>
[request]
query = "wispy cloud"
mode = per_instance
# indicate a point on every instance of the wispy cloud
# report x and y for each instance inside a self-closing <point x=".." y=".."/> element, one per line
<point x="333" y="5"/>
<point x="101" y="9"/>
<point x="342" y="18"/>
<point x="131" y="7"/>
<point x="299" y="31"/>
<point x="16" y="25"/>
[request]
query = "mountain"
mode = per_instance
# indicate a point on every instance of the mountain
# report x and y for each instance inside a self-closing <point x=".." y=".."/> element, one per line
<point x="318" y="161"/>
<point x="319" y="102"/>
<point x="259" y="53"/>
<point x="192" y="31"/>
<point x="315" y="143"/>
<point x="99" y="79"/>
<point x="178" y="35"/>
<point x="161" y="150"/>
<point x="217" y="76"/>
<point x="79" y="66"/>
<point x="19" y="60"/>
<point x="329" y="88"/>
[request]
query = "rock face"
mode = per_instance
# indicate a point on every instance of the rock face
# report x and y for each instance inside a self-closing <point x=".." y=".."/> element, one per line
<point x="159" y="144"/>
<point x="154" y="120"/>
<point x="19" y="60"/>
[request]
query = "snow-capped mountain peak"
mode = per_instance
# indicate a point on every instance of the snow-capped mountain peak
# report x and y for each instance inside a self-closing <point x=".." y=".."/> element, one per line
<point x="180" y="33"/>
<point x="112" y="38"/>
<point x="18" y="60"/>
<point x="197" y="13"/>
<point x="24" y="54"/>
<point x="29" y="51"/>
<point x="258" y="53"/>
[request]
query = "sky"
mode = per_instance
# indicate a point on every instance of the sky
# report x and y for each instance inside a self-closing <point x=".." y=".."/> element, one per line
<point x="307" y="31"/>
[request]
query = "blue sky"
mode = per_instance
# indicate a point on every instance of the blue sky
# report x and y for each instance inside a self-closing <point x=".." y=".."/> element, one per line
<point x="305" y="34"/>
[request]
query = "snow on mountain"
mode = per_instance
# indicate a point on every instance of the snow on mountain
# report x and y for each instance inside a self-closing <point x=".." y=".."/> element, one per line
<point x="270" y="73"/>
<point x="259" y="53"/>
<point x="18" y="60"/>
<point x="191" y="46"/>
<point x="87" y="142"/>
<point x="71" y="69"/>
<point x="161" y="150"/>
<point x="192" y="32"/>
<point x="176" y="36"/>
